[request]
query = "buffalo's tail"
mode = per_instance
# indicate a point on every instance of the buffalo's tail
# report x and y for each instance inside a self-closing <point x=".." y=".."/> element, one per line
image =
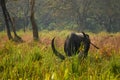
<point x="55" y="51"/>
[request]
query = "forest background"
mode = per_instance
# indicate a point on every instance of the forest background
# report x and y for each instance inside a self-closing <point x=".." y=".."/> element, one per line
<point x="78" y="15"/>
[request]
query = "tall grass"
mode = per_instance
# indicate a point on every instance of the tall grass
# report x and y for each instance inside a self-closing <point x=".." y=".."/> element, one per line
<point x="36" y="61"/>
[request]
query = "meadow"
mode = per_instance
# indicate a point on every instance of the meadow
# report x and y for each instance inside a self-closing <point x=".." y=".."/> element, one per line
<point x="31" y="60"/>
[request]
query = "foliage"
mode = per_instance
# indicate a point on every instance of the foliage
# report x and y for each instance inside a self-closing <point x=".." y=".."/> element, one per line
<point x="93" y="15"/>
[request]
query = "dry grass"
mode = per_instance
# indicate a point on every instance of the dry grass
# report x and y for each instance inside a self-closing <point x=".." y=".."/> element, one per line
<point x="108" y="43"/>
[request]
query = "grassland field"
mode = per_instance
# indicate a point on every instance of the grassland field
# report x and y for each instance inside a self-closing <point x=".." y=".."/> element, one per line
<point x="31" y="60"/>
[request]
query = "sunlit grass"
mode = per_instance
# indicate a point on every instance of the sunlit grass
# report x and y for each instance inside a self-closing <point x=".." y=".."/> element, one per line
<point x="36" y="61"/>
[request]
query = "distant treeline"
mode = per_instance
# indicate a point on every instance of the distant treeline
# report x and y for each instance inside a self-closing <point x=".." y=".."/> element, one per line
<point x="79" y="15"/>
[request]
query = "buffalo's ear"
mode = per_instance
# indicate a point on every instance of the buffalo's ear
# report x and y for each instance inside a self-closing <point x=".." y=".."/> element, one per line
<point x="84" y="34"/>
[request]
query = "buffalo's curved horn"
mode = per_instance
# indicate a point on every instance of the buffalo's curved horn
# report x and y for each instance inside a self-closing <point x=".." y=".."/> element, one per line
<point x="94" y="45"/>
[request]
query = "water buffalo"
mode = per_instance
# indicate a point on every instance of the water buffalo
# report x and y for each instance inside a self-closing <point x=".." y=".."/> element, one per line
<point x="75" y="43"/>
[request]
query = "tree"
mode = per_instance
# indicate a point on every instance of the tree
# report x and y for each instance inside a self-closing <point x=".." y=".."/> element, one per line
<point x="77" y="10"/>
<point x="6" y="17"/>
<point x="19" y="10"/>
<point x="9" y="22"/>
<point x="32" y="18"/>
<point x="81" y="7"/>
<point x="106" y="13"/>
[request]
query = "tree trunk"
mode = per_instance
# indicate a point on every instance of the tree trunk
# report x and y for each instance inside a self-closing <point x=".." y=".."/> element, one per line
<point x="8" y="21"/>
<point x="16" y="37"/>
<point x="5" y="13"/>
<point x="34" y="25"/>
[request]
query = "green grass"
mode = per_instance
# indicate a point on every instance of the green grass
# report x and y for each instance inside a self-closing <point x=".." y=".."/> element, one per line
<point x="36" y="61"/>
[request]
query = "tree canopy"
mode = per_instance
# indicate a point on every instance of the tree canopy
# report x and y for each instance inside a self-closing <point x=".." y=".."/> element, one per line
<point x="79" y="15"/>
